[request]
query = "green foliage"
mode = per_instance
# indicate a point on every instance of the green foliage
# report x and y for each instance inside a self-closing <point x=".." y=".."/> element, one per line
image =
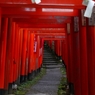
<point x="25" y="87"/>
<point x="63" y="83"/>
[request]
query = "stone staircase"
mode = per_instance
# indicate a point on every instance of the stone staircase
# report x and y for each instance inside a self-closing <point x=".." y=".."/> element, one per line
<point x="49" y="60"/>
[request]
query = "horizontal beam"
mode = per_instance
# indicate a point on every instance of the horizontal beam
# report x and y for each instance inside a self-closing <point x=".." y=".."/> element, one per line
<point x="50" y="34"/>
<point x="38" y="17"/>
<point x="56" y="20"/>
<point x="46" y="29"/>
<point x="38" y="11"/>
<point x="44" y="3"/>
<point x="69" y="6"/>
<point x="53" y="39"/>
<point x="42" y="25"/>
<point x="64" y="2"/>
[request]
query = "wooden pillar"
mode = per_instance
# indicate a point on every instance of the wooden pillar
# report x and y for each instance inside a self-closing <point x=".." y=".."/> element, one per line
<point x="3" y="44"/>
<point x="38" y="52"/>
<point x="76" y="57"/>
<point x="91" y="55"/>
<point x="20" y="49"/>
<point x="70" y="51"/>
<point x="24" y="50"/>
<point x="31" y="65"/>
<point x="83" y="55"/>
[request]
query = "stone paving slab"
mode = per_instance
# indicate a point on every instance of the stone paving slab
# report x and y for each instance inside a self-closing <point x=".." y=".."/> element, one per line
<point x="48" y="85"/>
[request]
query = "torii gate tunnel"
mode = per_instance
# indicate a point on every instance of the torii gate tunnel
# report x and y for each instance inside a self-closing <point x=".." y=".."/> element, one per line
<point x="24" y="26"/>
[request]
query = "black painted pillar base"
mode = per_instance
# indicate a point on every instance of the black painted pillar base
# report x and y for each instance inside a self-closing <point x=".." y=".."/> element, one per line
<point x="59" y="57"/>
<point x="3" y="92"/>
<point x="23" y="78"/>
<point x="64" y="65"/>
<point x="17" y="81"/>
<point x="10" y="91"/>
<point x="31" y="75"/>
<point x="38" y="70"/>
<point x="71" y="88"/>
<point x="34" y="73"/>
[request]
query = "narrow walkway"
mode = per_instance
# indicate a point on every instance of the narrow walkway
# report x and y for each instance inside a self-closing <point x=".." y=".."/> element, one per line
<point x="48" y="85"/>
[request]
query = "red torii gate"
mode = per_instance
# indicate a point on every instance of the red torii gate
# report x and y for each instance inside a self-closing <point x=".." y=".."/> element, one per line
<point x="22" y="11"/>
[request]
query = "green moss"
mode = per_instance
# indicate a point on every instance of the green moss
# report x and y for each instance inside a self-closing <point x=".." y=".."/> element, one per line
<point x="63" y="83"/>
<point x="25" y="87"/>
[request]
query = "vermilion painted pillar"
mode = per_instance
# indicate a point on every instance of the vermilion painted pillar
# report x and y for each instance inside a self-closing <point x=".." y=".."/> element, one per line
<point x="15" y="75"/>
<point x="63" y="49"/>
<point x="20" y="49"/>
<point x="7" y="67"/>
<point x="65" y="52"/>
<point x="18" y="55"/>
<point x="69" y="47"/>
<point x="41" y="49"/>
<point x="38" y="52"/>
<point x="83" y="56"/>
<point x="83" y="60"/>
<point x="55" y="46"/>
<point x="0" y="21"/>
<point x="70" y="57"/>
<point x="24" y="50"/>
<point x="29" y="50"/>
<point x="51" y="44"/>
<point x="18" y="61"/>
<point x="11" y="52"/>
<point x="27" y="53"/>
<point x="31" y="66"/>
<point x="35" y="54"/>
<point x="76" y="57"/>
<point x="60" y="50"/>
<point x="91" y="56"/>
<point x="3" y="44"/>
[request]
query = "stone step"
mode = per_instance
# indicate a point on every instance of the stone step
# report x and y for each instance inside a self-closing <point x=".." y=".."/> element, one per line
<point x="48" y="58"/>
<point x="52" y="66"/>
<point x="47" y="55"/>
<point x="49" y="62"/>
